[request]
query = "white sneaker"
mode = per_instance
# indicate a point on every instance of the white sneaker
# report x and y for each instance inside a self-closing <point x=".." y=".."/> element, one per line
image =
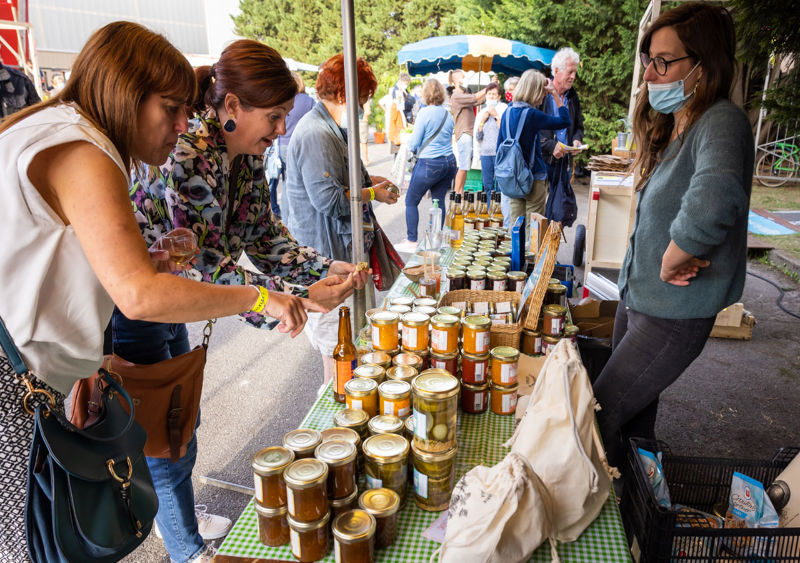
<point x="211" y="526"/>
<point x="406" y="246"/>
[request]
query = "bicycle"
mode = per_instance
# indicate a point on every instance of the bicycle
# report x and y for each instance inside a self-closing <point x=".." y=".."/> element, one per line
<point x="777" y="166"/>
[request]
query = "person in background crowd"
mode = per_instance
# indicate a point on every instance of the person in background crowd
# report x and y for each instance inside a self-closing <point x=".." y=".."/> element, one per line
<point x="363" y="130"/>
<point x="509" y="86"/>
<point x="529" y="93"/>
<point x="318" y="190"/>
<point x="436" y="166"/>
<point x="462" y="106"/>
<point x="16" y="91"/>
<point x="416" y="93"/>
<point x="410" y="108"/>
<point x="214" y="185"/>
<point x="565" y="69"/>
<point x="397" y="116"/>
<point x="687" y="255"/>
<point x="487" y="127"/>
<point x="56" y="84"/>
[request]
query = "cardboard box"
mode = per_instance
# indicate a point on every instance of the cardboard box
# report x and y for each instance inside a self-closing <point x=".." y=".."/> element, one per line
<point x="595" y="318"/>
<point x="538" y="229"/>
<point x="742" y="332"/>
<point x="730" y="316"/>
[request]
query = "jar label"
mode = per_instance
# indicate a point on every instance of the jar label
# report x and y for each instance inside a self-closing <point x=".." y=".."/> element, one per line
<point x="508" y="373"/>
<point x="420" y="484"/>
<point x="356" y="404"/>
<point x="479" y="397"/>
<point x="376" y="336"/>
<point x="337" y="550"/>
<point x="259" y="488"/>
<point x="445" y="285"/>
<point x="499" y="285"/>
<point x="520" y="285"/>
<point x="344" y="373"/>
<point x="373" y="482"/>
<point x="537" y="345"/>
<point x="480" y="372"/>
<point x="482" y="341"/>
<point x="468" y="227"/>
<point x="421" y="425"/>
<point x="476" y="285"/>
<point x="290" y="500"/>
<point x="295" y="539"/>
<point x="439" y="338"/>
<point x="509" y="402"/>
<point x="402" y="412"/>
<point x="409" y="337"/>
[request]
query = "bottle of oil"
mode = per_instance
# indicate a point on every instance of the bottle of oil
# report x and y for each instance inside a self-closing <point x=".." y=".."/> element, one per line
<point x="457" y="224"/>
<point x="344" y="355"/>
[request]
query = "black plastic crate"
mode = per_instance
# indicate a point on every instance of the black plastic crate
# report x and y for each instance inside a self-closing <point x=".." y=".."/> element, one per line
<point x="699" y="483"/>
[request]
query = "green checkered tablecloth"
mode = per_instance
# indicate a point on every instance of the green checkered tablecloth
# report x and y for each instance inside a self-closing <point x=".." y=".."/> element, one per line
<point x="480" y="439"/>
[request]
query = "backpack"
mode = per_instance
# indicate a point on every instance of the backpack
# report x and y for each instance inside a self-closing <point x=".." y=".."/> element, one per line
<point x="513" y="176"/>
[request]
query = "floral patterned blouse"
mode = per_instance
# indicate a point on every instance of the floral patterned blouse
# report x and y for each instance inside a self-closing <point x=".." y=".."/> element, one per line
<point x="227" y="206"/>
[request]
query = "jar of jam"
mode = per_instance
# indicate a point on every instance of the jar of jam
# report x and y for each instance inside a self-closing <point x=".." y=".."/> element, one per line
<point x="412" y="359"/>
<point x="571" y="333"/>
<point x="354" y="536"/>
<point x="455" y="279"/>
<point x="386" y="463"/>
<point x="500" y="267"/>
<point x="435" y="403"/>
<point x="549" y="344"/>
<point x="362" y="394"/>
<point x="273" y="529"/>
<point x="516" y="281"/>
<point x="402" y="300"/>
<point x="385" y="331"/>
<point x="268" y="466"/>
<point x="395" y="398"/>
<point x="342" y="505"/>
<point x="340" y="456"/>
<point x="504" y="399"/>
<point x="444" y="334"/>
<point x="385" y="424"/>
<point x="377" y="358"/>
<point x="477" y="279"/>
<point x="474" y="368"/>
<point x="447" y="362"/>
<point x="434" y="478"/>
<point x="476" y="334"/>
<point x="448" y="310"/>
<point x="384" y="505"/>
<point x="370" y="371"/>
<point x="425" y="309"/>
<point x="497" y="280"/>
<point x="354" y="419"/>
<point x="340" y="433"/>
<point x="302" y="442"/>
<point x="479" y="255"/>
<point x="474" y="398"/>
<point x="504" y="365"/>
<point x="424" y="302"/>
<point x="402" y="373"/>
<point x="400" y="310"/>
<point x="415" y="331"/>
<point x="553" y="319"/>
<point x="307" y="490"/>
<point x="556" y="294"/>
<point x="309" y="540"/>
<point x="531" y="342"/>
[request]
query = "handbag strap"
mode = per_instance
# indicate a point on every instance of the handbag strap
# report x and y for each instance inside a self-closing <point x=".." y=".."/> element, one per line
<point x="432" y="137"/>
<point x="11" y="351"/>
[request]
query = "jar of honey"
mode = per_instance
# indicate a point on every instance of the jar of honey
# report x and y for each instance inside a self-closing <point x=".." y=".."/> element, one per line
<point x="401" y="373"/>
<point x="302" y="442"/>
<point x="268" y="466"/>
<point x="549" y="344"/>
<point x="273" y="529"/>
<point x="504" y="365"/>
<point x="385" y="424"/>
<point x="354" y="537"/>
<point x="434" y="478"/>
<point x="476" y="334"/>
<point x="444" y="334"/>
<point x="531" y="342"/>
<point x="340" y="433"/>
<point x="474" y="368"/>
<point x="340" y="456"/>
<point x="370" y="371"/>
<point x="516" y="281"/>
<point x="412" y="359"/>
<point x="571" y="333"/>
<point x="377" y="358"/>
<point x="309" y="540"/>
<point x="504" y="399"/>
<point x="477" y="279"/>
<point x="395" y="398"/>
<point x="342" y="505"/>
<point x="474" y="398"/>
<point x="553" y="319"/>
<point x="415" y="331"/>
<point x="362" y="394"/>
<point x="384" y="505"/>
<point x="497" y="280"/>
<point x="384" y="330"/>
<point x="354" y="419"/>
<point x="455" y="279"/>
<point x="435" y="404"/>
<point x="447" y="362"/>
<point x="307" y="490"/>
<point x="386" y="463"/>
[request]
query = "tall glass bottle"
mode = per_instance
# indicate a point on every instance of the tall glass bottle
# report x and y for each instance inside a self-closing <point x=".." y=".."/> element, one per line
<point x="497" y="213"/>
<point x="457" y="224"/>
<point x="483" y="210"/>
<point x="470" y="214"/>
<point x="344" y="355"/>
<point x="447" y="231"/>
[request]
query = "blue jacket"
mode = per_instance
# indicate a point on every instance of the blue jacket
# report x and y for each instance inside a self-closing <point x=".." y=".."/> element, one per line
<point x="536" y="121"/>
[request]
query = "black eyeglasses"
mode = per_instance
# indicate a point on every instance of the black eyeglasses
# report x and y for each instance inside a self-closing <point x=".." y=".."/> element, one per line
<point x="660" y="64"/>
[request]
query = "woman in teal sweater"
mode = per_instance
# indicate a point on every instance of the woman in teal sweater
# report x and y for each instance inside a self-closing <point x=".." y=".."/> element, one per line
<point x="687" y="254"/>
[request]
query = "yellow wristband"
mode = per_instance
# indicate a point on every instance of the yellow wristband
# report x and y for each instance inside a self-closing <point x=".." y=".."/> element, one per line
<point x="263" y="298"/>
<point x="372" y="194"/>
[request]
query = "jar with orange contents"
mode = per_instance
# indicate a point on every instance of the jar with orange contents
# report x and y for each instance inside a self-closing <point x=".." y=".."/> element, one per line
<point x="268" y="466"/>
<point x="370" y="371"/>
<point x="444" y="334"/>
<point x="413" y="359"/>
<point x="395" y="398"/>
<point x="384" y="330"/>
<point x="340" y="456"/>
<point x="415" y="331"/>
<point x="306" y="490"/>
<point x="504" y="365"/>
<point x="302" y="442"/>
<point x="362" y="394"/>
<point x="448" y="362"/>
<point x="309" y="541"/>
<point x="504" y="399"/>
<point x="273" y="529"/>
<point x="476" y="334"/>
<point x="474" y="368"/>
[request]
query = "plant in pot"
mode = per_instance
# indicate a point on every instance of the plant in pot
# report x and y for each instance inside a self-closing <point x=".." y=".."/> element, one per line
<point x="624" y="136"/>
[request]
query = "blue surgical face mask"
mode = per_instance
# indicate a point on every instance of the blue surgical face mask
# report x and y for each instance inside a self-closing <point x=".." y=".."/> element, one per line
<point x="669" y="97"/>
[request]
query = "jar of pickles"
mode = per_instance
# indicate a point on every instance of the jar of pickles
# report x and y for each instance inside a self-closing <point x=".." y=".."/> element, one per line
<point x="342" y="505"/>
<point x="268" y="466"/>
<point x="377" y="358"/>
<point x="302" y="442"/>
<point x="409" y="359"/>
<point x="444" y="334"/>
<point x="340" y="456"/>
<point x="386" y="463"/>
<point x="504" y="365"/>
<point x="447" y="362"/>
<point x="504" y="399"/>
<point x="434" y="478"/>
<point x="273" y="529"/>
<point x="306" y="490"/>
<point x="354" y="419"/>
<point x="415" y="331"/>
<point x="370" y="371"/>
<point x="477" y="279"/>
<point x="385" y="424"/>
<point x="553" y="319"/>
<point x="496" y="280"/>
<point x="531" y="342"/>
<point x="402" y="373"/>
<point x="476" y="334"/>
<point x="384" y="505"/>
<point x="474" y="398"/>
<point x="354" y="537"/>
<point x="384" y="330"/>
<point x="309" y="540"/>
<point x="516" y="281"/>
<point x="435" y="403"/>
<point x="474" y="368"/>
<point x="362" y="394"/>
<point x="395" y="398"/>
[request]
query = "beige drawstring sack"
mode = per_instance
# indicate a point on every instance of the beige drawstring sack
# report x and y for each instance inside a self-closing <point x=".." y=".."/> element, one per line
<point x="558" y="436"/>
<point x="497" y="515"/>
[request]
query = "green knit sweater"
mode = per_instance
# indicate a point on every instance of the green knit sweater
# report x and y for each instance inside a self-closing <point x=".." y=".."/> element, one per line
<point x="698" y="196"/>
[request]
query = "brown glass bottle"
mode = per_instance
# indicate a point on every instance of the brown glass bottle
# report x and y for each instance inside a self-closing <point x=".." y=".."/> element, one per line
<point x="344" y="355"/>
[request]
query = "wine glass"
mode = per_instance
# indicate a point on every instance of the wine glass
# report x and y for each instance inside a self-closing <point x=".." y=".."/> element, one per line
<point x="181" y="244"/>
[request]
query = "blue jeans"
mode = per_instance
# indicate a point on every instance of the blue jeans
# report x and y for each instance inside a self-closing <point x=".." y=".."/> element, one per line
<point x="487" y="174"/>
<point x="649" y="354"/>
<point x="434" y="174"/>
<point x="144" y="342"/>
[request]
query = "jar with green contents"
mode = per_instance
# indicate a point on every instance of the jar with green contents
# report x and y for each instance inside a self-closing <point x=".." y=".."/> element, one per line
<point x="386" y="463"/>
<point x="434" y="478"/>
<point x="435" y="410"/>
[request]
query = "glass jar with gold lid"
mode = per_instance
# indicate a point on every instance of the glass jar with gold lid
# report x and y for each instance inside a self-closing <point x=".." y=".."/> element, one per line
<point x="384" y="330"/>
<point x="556" y="294"/>
<point x="273" y="529"/>
<point x="531" y="342"/>
<point x="268" y="466"/>
<point x="435" y="400"/>
<point x="340" y="456"/>
<point x="496" y="280"/>
<point x="386" y="463"/>
<point x="402" y="300"/>
<point x="362" y="394"/>
<point x="355" y="419"/>
<point x="342" y="505"/>
<point x="434" y="478"/>
<point x="384" y="505"/>
<point x="395" y="398"/>
<point x="424" y="302"/>
<point x="385" y="424"/>
<point x="306" y="489"/>
<point x="571" y="333"/>
<point x="516" y="281"/>
<point x="341" y="433"/>
<point x="447" y="362"/>
<point x="553" y="319"/>
<point x="402" y="373"/>
<point x="412" y="359"/>
<point x="444" y="333"/>
<point x="415" y="331"/>
<point x="504" y="399"/>
<point x="309" y="540"/>
<point x="377" y="358"/>
<point x="302" y="442"/>
<point x="477" y="279"/>
<point x="504" y="365"/>
<point x="354" y="536"/>
<point x="370" y="371"/>
<point x="475" y="338"/>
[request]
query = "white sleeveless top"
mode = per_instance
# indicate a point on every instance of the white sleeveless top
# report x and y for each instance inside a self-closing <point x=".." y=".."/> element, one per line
<point x="50" y="299"/>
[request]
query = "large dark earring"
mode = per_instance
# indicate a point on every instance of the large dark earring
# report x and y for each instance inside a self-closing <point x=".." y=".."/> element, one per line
<point x="229" y="126"/>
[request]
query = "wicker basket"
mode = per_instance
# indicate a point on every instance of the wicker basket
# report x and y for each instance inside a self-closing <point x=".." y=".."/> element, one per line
<point x="500" y="335"/>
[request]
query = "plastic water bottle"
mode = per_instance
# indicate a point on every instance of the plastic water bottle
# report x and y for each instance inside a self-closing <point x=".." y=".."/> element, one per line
<point x="435" y="224"/>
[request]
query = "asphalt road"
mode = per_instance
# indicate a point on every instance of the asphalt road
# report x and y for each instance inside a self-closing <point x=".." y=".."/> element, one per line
<point x="739" y="399"/>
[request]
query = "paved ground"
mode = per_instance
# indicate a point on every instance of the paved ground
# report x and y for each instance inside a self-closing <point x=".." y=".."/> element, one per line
<point x="739" y="399"/>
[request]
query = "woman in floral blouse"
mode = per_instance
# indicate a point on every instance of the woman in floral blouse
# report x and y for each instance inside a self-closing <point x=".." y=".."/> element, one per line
<point x="214" y="184"/>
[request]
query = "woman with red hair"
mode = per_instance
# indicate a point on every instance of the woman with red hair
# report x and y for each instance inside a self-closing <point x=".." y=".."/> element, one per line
<point x="316" y="199"/>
